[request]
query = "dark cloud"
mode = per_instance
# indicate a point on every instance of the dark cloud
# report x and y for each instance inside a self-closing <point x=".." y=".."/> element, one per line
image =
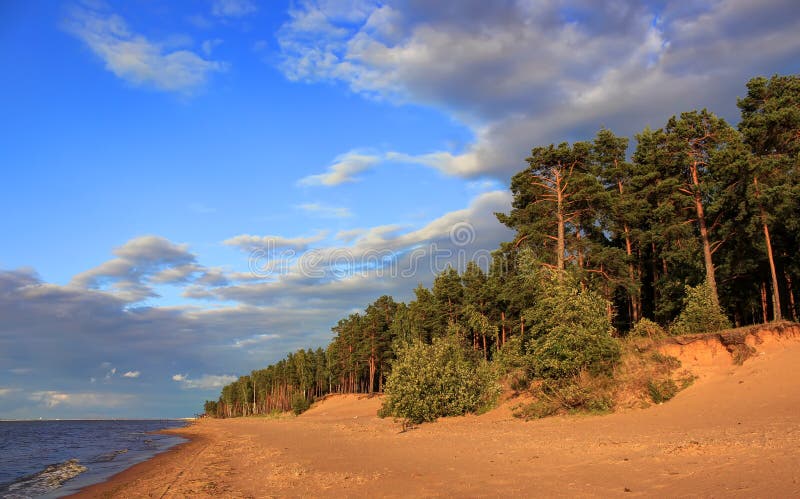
<point x="522" y="74"/>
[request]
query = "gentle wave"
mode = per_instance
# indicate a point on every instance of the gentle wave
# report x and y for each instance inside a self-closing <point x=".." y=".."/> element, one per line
<point x="47" y="480"/>
<point x="104" y="447"/>
<point x="108" y="457"/>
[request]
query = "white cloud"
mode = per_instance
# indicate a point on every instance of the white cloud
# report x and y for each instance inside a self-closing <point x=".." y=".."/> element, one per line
<point x="7" y="391"/>
<point x="464" y="165"/>
<point x="386" y="259"/>
<point x="131" y="374"/>
<point x="233" y="8"/>
<point x="345" y="169"/>
<point x="136" y="59"/>
<point x="204" y="382"/>
<point x="85" y="400"/>
<point x="326" y="211"/>
<point x="255" y="340"/>
<point x="247" y="242"/>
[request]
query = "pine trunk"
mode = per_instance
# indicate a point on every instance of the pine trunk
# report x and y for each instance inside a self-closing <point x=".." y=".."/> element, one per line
<point x="776" y="299"/>
<point x="701" y="220"/>
<point x="560" y="245"/>
<point x="631" y="272"/>
<point x="790" y="292"/>
<point x="503" y="325"/>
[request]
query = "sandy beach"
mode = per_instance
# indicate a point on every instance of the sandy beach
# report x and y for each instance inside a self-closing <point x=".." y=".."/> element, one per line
<point x="735" y="432"/>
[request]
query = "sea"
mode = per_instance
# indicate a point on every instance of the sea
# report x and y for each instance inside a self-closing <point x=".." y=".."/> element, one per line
<point x="57" y="458"/>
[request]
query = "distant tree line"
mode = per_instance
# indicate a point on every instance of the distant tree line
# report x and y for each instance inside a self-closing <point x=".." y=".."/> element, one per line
<point x="698" y="202"/>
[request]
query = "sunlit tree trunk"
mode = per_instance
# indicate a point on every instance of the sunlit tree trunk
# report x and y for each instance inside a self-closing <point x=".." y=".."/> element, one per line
<point x="701" y="221"/>
<point x="776" y="299"/>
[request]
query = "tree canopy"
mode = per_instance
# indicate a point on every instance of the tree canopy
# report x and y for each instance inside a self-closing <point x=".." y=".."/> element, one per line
<point x="697" y="227"/>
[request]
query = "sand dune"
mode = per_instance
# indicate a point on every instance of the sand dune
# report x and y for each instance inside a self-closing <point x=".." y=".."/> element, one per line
<point x="735" y="432"/>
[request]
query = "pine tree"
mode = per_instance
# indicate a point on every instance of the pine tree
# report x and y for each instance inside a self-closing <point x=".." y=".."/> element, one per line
<point x="771" y="127"/>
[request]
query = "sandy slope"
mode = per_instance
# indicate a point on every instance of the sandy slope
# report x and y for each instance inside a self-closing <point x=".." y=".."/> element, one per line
<point x="736" y="432"/>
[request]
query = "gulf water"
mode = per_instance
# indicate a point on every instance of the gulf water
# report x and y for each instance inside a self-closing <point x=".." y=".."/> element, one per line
<point x="57" y="458"/>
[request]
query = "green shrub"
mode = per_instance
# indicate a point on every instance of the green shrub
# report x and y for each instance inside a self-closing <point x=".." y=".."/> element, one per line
<point x="300" y="403"/>
<point x="510" y="357"/>
<point x="661" y="391"/>
<point x="582" y="393"/>
<point x="700" y="313"/>
<point x="570" y="330"/>
<point x="442" y="379"/>
<point x="646" y="328"/>
<point x="536" y="410"/>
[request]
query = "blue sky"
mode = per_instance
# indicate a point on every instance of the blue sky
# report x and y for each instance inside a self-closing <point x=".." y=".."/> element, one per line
<point x="149" y="148"/>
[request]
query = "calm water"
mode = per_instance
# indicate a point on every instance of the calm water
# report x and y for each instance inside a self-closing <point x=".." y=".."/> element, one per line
<point x="55" y="458"/>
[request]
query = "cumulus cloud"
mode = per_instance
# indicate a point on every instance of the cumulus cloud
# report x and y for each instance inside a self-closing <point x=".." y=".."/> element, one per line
<point x="452" y="164"/>
<point x="345" y="169"/>
<point x="134" y="58"/>
<point x="178" y="377"/>
<point x="140" y="262"/>
<point x="131" y="374"/>
<point x="520" y="74"/>
<point x="325" y="211"/>
<point x="57" y="331"/>
<point x="7" y="391"/>
<point x="385" y="259"/>
<point x="204" y="382"/>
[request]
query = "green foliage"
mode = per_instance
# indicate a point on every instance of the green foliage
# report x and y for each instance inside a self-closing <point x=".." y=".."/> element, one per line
<point x="581" y="393"/>
<point x="646" y="328"/>
<point x="698" y="200"/>
<point x="210" y="408"/>
<point x="663" y="390"/>
<point x="536" y="410"/>
<point x="700" y="313"/>
<point x="300" y="404"/>
<point x="442" y="379"/>
<point x="510" y="356"/>
<point x="571" y="330"/>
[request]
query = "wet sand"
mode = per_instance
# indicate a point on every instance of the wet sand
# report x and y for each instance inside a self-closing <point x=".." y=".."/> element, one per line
<point x="735" y="432"/>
